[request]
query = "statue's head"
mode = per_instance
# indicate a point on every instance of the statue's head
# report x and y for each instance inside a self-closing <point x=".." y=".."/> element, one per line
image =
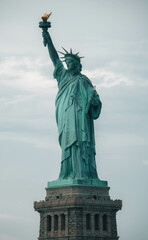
<point x="73" y="64"/>
<point x="73" y="61"/>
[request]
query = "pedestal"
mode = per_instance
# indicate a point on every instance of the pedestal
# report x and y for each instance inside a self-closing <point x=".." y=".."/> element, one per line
<point x="78" y="213"/>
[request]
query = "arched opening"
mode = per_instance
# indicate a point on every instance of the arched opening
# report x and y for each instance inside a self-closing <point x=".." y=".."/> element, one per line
<point x="55" y="222"/>
<point x="88" y="221"/>
<point x="104" y="222"/>
<point x="96" y="220"/>
<point x="48" y="223"/>
<point x="63" y="222"/>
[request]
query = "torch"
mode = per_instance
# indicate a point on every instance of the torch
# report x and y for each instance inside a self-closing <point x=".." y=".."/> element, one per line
<point x="45" y="24"/>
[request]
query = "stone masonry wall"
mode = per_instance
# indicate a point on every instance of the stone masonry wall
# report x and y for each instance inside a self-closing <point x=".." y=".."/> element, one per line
<point x="75" y="205"/>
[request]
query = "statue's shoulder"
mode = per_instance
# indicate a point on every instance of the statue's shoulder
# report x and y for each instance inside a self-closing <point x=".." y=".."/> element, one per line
<point x="85" y="79"/>
<point x="59" y="70"/>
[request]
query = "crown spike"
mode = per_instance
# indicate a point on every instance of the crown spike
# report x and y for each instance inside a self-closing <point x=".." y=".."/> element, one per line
<point x="65" y="50"/>
<point x="70" y="54"/>
<point x="61" y="53"/>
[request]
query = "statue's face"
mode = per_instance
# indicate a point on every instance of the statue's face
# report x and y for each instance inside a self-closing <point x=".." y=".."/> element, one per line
<point x="71" y="63"/>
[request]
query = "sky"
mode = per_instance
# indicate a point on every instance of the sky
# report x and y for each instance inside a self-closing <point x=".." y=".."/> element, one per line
<point x="113" y="37"/>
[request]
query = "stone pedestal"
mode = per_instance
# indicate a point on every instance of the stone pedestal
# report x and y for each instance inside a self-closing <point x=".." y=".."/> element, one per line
<point x="78" y="213"/>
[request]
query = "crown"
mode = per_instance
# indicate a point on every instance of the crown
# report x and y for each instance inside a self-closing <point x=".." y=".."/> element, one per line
<point x="70" y="54"/>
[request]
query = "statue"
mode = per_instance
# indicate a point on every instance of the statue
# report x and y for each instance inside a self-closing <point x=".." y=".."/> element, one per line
<point x="77" y="106"/>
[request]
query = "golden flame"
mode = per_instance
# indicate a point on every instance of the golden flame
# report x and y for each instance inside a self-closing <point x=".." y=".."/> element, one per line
<point x="45" y="16"/>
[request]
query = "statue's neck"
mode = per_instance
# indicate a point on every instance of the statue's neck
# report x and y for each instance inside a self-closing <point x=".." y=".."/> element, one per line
<point x="74" y="72"/>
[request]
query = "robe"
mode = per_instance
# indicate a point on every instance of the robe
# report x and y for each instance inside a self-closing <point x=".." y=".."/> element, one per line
<point x="77" y="105"/>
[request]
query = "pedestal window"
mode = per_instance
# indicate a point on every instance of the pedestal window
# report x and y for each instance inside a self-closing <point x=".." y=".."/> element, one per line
<point x="96" y="221"/>
<point x="88" y="221"/>
<point x="49" y="223"/>
<point x="63" y="222"/>
<point x="56" y="223"/>
<point x="104" y="222"/>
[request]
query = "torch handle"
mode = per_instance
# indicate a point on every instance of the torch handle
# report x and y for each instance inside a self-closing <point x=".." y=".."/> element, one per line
<point x="44" y="40"/>
<point x="44" y="25"/>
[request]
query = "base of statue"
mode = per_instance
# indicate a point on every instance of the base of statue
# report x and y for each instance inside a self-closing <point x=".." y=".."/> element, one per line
<point x="69" y="182"/>
<point x="78" y="212"/>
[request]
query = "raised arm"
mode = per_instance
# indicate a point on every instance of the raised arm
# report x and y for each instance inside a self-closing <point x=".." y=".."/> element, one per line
<point x="51" y="49"/>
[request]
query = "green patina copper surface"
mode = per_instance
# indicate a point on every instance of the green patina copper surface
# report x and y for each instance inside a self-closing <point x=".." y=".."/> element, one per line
<point x="77" y="105"/>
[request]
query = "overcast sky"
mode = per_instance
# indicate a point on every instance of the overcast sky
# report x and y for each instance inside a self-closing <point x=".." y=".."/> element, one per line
<point x="113" y="37"/>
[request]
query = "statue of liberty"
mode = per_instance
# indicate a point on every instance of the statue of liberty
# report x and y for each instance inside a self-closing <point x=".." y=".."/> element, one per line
<point x="77" y="106"/>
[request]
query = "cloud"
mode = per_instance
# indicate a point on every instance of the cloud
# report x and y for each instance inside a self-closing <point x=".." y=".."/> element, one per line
<point x="122" y="140"/>
<point x="28" y="92"/>
<point x="25" y="74"/>
<point x="145" y="162"/>
<point x="107" y="78"/>
<point x="39" y="140"/>
<point x="4" y="216"/>
<point x="35" y="75"/>
<point x="26" y="95"/>
<point x="6" y="237"/>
